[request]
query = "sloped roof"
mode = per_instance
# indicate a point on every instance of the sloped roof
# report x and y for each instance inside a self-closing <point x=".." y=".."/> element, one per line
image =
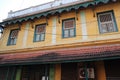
<point x="53" y="11"/>
<point x="62" y="55"/>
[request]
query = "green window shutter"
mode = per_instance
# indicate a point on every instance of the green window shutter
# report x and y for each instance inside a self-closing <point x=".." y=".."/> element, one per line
<point x="52" y="72"/>
<point x="18" y="74"/>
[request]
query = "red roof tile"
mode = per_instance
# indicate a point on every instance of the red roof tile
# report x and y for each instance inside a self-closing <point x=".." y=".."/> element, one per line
<point x="79" y="53"/>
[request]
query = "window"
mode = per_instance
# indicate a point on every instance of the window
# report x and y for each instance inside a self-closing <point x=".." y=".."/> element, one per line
<point x="107" y="22"/>
<point x="13" y="37"/>
<point x="1" y="32"/>
<point x="7" y="73"/>
<point x="40" y="33"/>
<point x="68" y="28"/>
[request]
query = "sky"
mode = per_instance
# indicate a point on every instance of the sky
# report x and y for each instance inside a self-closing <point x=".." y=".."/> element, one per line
<point x="14" y="5"/>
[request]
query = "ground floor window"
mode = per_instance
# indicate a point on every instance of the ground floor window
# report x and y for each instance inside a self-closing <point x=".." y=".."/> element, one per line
<point x="7" y="73"/>
<point x="36" y="72"/>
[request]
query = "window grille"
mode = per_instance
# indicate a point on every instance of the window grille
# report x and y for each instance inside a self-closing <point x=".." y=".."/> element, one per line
<point x="13" y="37"/>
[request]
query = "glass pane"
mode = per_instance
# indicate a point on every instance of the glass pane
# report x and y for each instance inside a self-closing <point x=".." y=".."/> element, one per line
<point x="104" y="28"/>
<point x="42" y="36"/>
<point x="90" y="72"/>
<point x="66" y="33"/>
<point x="111" y="27"/>
<point x="43" y="77"/>
<point x="72" y="32"/>
<point x="15" y="40"/>
<point x="37" y="37"/>
<point x="12" y="41"/>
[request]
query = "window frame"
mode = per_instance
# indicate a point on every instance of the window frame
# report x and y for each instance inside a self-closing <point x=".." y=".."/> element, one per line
<point x="40" y="40"/>
<point x="111" y="12"/>
<point x="9" y="39"/>
<point x="73" y="28"/>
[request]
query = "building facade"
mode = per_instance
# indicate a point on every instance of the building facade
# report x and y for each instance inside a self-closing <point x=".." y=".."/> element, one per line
<point x="72" y="40"/>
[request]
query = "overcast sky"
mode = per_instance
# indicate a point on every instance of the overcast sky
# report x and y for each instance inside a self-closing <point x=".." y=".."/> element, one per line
<point x="14" y="5"/>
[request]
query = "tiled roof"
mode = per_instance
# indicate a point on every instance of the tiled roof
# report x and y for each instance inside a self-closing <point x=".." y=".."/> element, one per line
<point x="62" y="55"/>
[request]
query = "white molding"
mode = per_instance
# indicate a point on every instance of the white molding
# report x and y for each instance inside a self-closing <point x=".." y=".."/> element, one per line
<point x="54" y="30"/>
<point x="25" y="35"/>
<point x="83" y="25"/>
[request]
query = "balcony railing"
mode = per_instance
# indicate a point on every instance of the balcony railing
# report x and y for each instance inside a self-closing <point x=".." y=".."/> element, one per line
<point x="43" y="7"/>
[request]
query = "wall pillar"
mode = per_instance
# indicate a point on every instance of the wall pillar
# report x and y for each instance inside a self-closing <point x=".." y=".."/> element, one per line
<point x="100" y="70"/>
<point x="52" y="72"/>
<point x="18" y="74"/>
<point x="58" y="72"/>
<point x="25" y="34"/>
<point x="54" y="30"/>
<point x="83" y="25"/>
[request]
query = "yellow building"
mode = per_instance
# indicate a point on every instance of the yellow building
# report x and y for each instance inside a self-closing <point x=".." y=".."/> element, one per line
<point x="62" y="40"/>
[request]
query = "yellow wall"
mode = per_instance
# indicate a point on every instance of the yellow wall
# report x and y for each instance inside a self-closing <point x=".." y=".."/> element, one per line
<point x="91" y="24"/>
<point x="100" y="70"/>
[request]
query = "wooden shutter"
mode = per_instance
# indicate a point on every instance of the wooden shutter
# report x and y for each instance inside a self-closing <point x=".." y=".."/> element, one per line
<point x="106" y="22"/>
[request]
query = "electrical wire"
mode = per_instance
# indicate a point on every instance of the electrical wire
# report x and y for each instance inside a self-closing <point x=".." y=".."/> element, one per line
<point x="77" y="24"/>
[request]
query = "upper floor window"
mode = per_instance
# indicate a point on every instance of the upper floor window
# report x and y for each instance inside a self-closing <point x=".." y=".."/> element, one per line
<point x="13" y="37"/>
<point x="39" y="32"/>
<point x="107" y="22"/>
<point x="68" y="28"/>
